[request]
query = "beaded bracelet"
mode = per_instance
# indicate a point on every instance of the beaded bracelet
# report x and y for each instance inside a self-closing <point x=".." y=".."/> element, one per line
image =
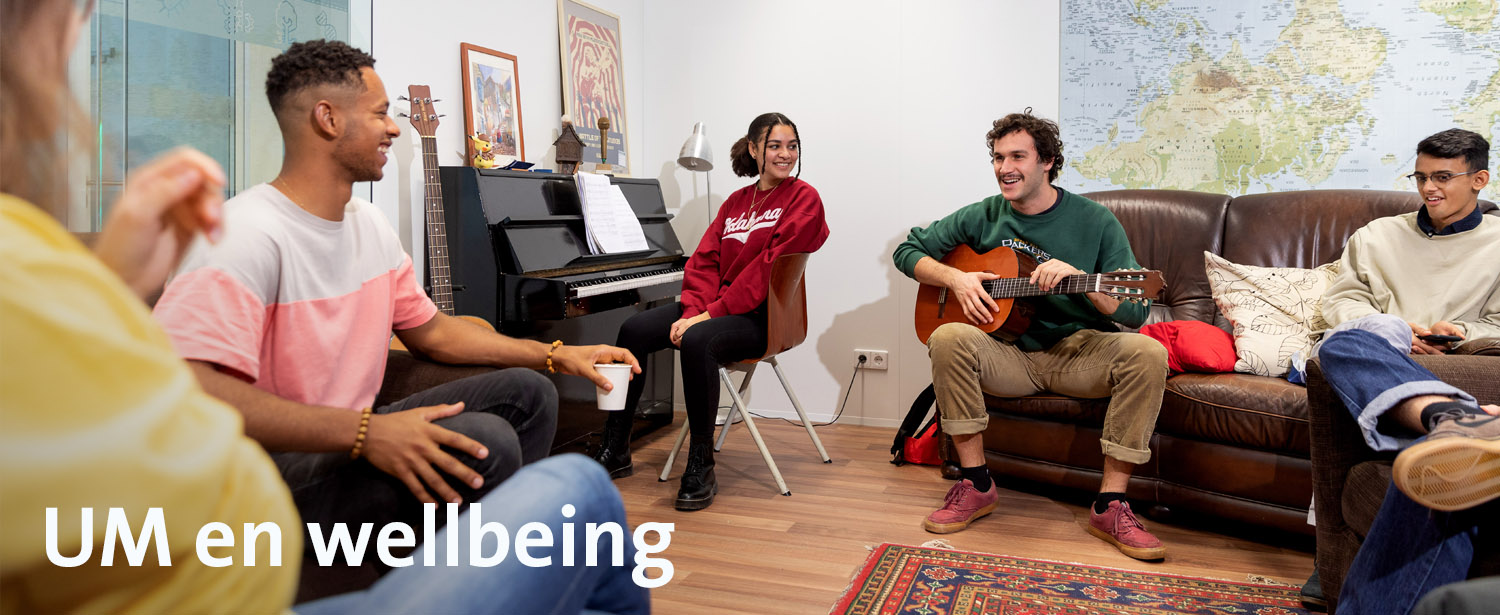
<point x="555" y="345"/>
<point x="359" y="438"/>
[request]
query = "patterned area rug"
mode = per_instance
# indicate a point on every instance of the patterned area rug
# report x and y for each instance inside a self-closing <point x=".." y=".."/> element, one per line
<point x="898" y="579"/>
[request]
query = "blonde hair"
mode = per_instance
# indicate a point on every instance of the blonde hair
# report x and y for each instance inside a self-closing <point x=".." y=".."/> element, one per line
<point x="39" y="120"/>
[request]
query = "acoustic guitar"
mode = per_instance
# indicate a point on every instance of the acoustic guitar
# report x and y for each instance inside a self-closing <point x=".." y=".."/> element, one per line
<point x="424" y="120"/>
<point x="934" y="308"/>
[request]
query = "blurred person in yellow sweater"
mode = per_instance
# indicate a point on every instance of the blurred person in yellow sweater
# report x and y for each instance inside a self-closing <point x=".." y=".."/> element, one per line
<point x="97" y="412"/>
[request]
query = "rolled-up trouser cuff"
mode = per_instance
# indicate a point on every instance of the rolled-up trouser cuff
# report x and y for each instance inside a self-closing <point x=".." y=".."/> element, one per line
<point x="1128" y="455"/>
<point x="963" y="427"/>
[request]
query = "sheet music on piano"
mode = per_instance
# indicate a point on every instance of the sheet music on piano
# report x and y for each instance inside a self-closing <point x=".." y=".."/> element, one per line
<point x="608" y="220"/>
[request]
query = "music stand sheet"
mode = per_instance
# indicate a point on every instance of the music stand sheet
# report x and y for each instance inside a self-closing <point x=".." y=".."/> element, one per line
<point x="608" y="220"/>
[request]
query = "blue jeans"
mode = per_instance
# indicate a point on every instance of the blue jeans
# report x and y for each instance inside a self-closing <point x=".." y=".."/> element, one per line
<point x="537" y="493"/>
<point x="1410" y="549"/>
<point x="512" y="412"/>
<point x="1366" y="363"/>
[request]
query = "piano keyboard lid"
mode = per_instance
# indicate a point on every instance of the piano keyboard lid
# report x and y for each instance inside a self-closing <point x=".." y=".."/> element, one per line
<point x="539" y="218"/>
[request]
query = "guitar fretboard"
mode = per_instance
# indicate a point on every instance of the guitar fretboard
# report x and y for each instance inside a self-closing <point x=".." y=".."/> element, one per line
<point x="1007" y="288"/>
<point x="438" y="273"/>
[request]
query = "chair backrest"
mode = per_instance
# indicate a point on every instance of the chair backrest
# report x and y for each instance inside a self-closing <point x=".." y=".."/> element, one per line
<point x="786" y="304"/>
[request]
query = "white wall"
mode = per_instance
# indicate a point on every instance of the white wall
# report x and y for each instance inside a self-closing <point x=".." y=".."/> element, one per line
<point x="417" y="43"/>
<point x="892" y="100"/>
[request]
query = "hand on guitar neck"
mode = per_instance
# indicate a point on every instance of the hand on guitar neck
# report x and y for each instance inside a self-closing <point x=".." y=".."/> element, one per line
<point x="1047" y="275"/>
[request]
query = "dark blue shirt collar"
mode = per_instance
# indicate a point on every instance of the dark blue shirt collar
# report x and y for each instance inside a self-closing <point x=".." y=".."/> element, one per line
<point x="1468" y="223"/>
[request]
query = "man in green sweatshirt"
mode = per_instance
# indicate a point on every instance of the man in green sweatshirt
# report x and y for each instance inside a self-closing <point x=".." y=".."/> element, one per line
<point x="1072" y="347"/>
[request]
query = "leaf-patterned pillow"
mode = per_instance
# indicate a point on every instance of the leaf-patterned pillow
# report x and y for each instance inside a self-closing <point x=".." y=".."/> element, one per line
<point x="1276" y="311"/>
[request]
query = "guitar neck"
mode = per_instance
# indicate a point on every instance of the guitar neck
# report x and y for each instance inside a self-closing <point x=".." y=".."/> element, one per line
<point x="1010" y="288"/>
<point x="438" y="272"/>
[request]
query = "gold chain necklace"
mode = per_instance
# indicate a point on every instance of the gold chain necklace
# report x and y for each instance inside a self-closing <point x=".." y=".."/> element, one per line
<point x="755" y="204"/>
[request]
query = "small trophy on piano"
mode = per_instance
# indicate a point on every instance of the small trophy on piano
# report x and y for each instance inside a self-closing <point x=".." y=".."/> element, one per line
<point x="604" y="168"/>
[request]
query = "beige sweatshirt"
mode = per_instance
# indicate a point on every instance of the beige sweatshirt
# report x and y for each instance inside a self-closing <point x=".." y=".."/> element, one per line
<point x="1392" y="267"/>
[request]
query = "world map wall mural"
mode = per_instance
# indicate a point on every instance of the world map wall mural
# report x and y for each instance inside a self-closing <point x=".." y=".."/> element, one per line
<point x="1268" y="95"/>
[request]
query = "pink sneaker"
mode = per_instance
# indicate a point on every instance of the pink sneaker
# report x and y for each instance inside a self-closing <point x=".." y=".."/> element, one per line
<point x="1119" y="527"/>
<point x="963" y="505"/>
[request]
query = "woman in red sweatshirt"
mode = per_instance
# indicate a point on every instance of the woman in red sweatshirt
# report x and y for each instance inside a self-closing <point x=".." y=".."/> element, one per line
<point x="722" y="317"/>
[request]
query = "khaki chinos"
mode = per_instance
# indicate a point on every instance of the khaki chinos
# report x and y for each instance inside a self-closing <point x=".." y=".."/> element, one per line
<point x="1128" y="368"/>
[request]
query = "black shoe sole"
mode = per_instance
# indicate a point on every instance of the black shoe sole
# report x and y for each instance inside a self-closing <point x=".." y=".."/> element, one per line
<point x="700" y="504"/>
<point x="622" y="472"/>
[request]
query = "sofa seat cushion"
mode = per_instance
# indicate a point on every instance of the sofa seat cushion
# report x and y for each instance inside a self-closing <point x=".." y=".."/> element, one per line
<point x="1238" y="409"/>
<point x="1052" y="407"/>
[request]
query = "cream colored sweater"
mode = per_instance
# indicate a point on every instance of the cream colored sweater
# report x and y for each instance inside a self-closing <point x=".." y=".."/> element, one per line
<point x="1392" y="267"/>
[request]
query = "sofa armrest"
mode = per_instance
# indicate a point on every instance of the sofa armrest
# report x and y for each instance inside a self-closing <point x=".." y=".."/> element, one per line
<point x="1337" y="446"/>
<point x="406" y="374"/>
<point x="1485" y="346"/>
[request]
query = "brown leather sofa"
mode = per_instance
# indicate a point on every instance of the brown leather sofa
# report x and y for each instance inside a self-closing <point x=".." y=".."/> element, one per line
<point x="1350" y="480"/>
<point x="1229" y="446"/>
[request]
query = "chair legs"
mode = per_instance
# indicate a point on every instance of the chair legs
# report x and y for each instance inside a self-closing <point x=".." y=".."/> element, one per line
<point x="738" y="407"/>
<point x="734" y="409"/>
<point x="800" y="414"/>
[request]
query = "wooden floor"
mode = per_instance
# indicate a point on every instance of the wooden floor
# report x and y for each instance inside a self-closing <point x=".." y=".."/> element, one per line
<point x="755" y="551"/>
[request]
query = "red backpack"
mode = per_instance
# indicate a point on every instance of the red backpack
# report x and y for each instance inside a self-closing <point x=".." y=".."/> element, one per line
<point x="918" y="445"/>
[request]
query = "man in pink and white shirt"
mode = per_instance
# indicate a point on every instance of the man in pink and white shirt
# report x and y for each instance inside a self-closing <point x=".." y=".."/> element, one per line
<point x="288" y="318"/>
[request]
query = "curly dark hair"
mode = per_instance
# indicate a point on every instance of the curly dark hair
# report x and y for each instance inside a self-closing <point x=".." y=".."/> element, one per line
<point x="742" y="162"/>
<point x="1048" y="145"/>
<point x="310" y="63"/>
<point x="1458" y="143"/>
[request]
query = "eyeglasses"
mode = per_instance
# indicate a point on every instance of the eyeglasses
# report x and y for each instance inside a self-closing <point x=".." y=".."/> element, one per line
<point x="1437" y="178"/>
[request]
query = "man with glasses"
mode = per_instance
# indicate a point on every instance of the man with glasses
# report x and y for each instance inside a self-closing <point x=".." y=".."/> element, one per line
<point x="1420" y="283"/>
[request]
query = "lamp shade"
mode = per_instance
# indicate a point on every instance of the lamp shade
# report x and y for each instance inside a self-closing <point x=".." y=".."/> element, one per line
<point x="695" y="155"/>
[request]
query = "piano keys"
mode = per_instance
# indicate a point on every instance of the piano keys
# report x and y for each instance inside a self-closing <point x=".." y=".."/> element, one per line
<point x="520" y="259"/>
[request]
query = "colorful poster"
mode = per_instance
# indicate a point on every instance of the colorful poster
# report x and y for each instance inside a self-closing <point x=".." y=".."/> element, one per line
<point x="594" y="79"/>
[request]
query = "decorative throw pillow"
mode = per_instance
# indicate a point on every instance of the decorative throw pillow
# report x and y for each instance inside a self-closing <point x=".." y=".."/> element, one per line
<point x="1276" y="311"/>
<point x="1194" y="346"/>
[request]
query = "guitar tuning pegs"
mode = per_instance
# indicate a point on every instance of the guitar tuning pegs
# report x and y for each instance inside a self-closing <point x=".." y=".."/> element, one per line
<point x="402" y="115"/>
<point x="437" y="100"/>
<point x="402" y="98"/>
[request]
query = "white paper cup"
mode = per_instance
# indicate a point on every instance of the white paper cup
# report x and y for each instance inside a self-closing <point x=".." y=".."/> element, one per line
<point x="619" y="376"/>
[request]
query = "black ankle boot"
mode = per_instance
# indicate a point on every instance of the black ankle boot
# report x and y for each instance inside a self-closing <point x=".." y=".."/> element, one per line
<point x="698" y="482"/>
<point x="614" y="445"/>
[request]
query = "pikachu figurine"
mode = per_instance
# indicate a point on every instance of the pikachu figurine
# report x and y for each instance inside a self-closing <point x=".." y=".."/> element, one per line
<point x="484" y="158"/>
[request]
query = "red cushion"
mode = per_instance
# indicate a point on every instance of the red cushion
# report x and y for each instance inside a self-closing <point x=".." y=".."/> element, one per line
<point x="1194" y="346"/>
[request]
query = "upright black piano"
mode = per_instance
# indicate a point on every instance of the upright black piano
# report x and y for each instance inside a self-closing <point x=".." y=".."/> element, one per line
<point x="520" y="260"/>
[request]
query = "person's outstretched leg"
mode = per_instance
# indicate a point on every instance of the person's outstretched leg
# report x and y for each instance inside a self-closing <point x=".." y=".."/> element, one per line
<point x="1409" y="551"/>
<point x="539" y="493"/>
<point x="1372" y="377"/>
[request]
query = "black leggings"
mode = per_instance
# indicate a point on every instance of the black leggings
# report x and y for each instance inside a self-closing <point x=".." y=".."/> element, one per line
<point x="706" y="346"/>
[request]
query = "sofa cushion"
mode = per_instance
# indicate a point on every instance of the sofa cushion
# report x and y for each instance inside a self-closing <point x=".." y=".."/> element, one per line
<point x="1304" y="228"/>
<point x="1275" y="310"/>
<point x="1194" y="346"/>
<point x="1168" y="229"/>
<point x="1052" y="407"/>
<point x="1238" y="409"/>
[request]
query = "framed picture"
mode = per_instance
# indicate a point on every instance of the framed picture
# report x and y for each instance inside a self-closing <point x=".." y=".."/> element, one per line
<point x="492" y="105"/>
<point x="594" y="80"/>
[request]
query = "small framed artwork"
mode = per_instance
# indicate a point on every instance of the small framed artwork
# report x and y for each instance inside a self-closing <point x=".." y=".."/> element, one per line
<point x="594" y="80"/>
<point x="492" y="106"/>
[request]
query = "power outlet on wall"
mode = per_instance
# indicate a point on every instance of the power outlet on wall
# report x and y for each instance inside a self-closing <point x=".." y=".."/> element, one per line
<point x="874" y="359"/>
